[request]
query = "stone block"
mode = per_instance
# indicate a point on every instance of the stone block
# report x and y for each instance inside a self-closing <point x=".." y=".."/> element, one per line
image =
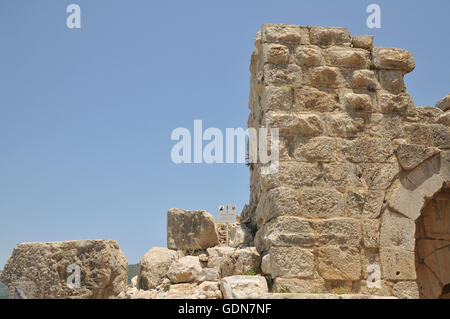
<point x="291" y="262"/>
<point x="393" y="59"/>
<point x="328" y="36"/>
<point x="337" y="263"/>
<point x="397" y="264"/>
<point x="321" y="203"/>
<point x="344" y="232"/>
<point x="363" y="41"/>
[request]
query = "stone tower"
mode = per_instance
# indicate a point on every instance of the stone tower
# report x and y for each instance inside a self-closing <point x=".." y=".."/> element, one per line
<point x="362" y="190"/>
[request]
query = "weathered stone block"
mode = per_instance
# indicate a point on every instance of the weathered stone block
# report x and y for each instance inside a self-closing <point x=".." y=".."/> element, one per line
<point x="286" y="231"/>
<point x="324" y="76"/>
<point x="393" y="59"/>
<point x="344" y="232"/>
<point x="276" y="54"/>
<point x="153" y="267"/>
<point x="363" y="203"/>
<point x="325" y="36"/>
<point x="369" y="150"/>
<point x="309" y="55"/>
<point x="444" y="103"/>
<point x="397" y="264"/>
<point x="356" y="102"/>
<point x="406" y="290"/>
<point x="417" y="133"/>
<point x="440" y="136"/>
<point x="190" y="229"/>
<point x="363" y="41"/>
<point x="411" y="155"/>
<point x="288" y="123"/>
<point x="297" y="285"/>
<point x="243" y="287"/>
<point x="337" y="263"/>
<point x="312" y="99"/>
<point x="323" y="203"/>
<point x="392" y="81"/>
<point x="344" y="124"/>
<point x="397" y="231"/>
<point x="364" y="79"/>
<point x="285" y="33"/>
<point x="291" y="262"/>
<point x="371" y="233"/>
<point x="348" y="57"/>
<point x="319" y="148"/>
<point x="275" y="74"/>
<point x="102" y="265"/>
<point x="275" y="98"/>
<point x="185" y="269"/>
<point x="395" y="103"/>
<point x="276" y="202"/>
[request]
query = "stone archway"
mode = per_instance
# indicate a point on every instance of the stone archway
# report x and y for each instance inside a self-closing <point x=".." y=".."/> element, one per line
<point x="423" y="196"/>
<point x="433" y="246"/>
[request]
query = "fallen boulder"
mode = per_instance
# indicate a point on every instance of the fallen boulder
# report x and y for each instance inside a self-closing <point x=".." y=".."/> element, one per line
<point x="153" y="267"/>
<point x="85" y="269"/>
<point x="190" y="230"/>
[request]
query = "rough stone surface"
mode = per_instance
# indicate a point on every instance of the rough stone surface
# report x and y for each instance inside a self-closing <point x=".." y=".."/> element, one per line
<point x="185" y="269"/>
<point x="190" y="229"/>
<point x="153" y="267"/>
<point x="243" y="287"/>
<point x="102" y="264"/>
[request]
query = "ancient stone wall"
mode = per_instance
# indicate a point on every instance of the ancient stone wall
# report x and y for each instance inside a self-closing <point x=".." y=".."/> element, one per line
<point x="358" y="161"/>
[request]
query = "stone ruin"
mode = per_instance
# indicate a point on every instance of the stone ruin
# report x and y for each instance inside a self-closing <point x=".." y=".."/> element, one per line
<point x="359" y="206"/>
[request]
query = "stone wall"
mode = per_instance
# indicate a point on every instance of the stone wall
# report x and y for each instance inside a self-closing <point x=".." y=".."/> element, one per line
<point x="355" y="156"/>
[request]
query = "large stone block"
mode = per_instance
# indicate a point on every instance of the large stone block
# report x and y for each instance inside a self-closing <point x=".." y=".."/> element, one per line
<point x="397" y="231"/>
<point x="363" y="203"/>
<point x="369" y="150"/>
<point x="364" y="79"/>
<point x="313" y="99"/>
<point x="243" y="287"/>
<point x="276" y="202"/>
<point x="320" y="149"/>
<point x="440" y="136"/>
<point x="240" y="261"/>
<point x="397" y="264"/>
<point x="444" y="103"/>
<point x="286" y="231"/>
<point x="356" y="102"/>
<point x="371" y="233"/>
<point x="395" y="103"/>
<point x="288" y="123"/>
<point x="328" y="36"/>
<point x="411" y="155"/>
<point x="298" y="285"/>
<point x="51" y="265"/>
<point x="190" y="229"/>
<point x="337" y="263"/>
<point x="393" y="59"/>
<point x="291" y="262"/>
<point x="281" y="33"/>
<point x="322" y="203"/>
<point x="276" y="98"/>
<point x="392" y="81"/>
<point x="276" y="54"/>
<point x="153" y="267"/>
<point x="344" y="232"/>
<point x="276" y="74"/>
<point x="309" y="55"/>
<point x="185" y="269"/>
<point x="363" y="41"/>
<point x="348" y="57"/>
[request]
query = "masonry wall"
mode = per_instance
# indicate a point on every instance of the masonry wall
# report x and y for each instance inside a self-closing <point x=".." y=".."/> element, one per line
<point x="348" y="131"/>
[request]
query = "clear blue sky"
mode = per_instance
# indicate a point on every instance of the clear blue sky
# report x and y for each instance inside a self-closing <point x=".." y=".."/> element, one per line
<point x="86" y="115"/>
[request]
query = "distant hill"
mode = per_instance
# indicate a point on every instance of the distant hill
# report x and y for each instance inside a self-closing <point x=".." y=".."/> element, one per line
<point x="132" y="271"/>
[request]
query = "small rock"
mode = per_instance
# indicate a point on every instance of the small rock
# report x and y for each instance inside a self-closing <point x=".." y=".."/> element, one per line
<point x="243" y="287"/>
